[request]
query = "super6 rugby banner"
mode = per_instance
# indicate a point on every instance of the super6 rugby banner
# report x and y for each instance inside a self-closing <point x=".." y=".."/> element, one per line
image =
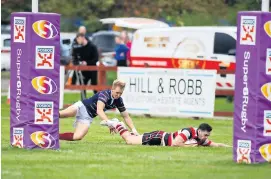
<point x="252" y="99"/>
<point x="169" y="92"/>
<point x="34" y="83"/>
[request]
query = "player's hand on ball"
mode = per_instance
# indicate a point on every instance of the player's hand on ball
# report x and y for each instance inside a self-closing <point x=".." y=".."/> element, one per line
<point x="193" y="145"/>
<point x="112" y="130"/>
<point x="134" y="131"/>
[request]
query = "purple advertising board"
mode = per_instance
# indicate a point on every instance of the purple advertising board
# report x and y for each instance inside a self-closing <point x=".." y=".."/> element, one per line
<point x="252" y="100"/>
<point x="34" y="82"/>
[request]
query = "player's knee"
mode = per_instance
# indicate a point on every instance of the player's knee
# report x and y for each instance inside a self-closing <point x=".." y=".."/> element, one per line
<point x="128" y="141"/>
<point x="78" y="136"/>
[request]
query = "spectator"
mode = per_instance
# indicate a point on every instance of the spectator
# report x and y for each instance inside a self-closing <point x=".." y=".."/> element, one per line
<point x="128" y="43"/>
<point x="87" y="54"/>
<point x="121" y="52"/>
<point x="81" y="30"/>
<point x="76" y="49"/>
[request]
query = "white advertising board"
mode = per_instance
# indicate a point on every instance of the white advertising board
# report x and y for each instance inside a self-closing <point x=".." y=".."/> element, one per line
<point x="169" y="92"/>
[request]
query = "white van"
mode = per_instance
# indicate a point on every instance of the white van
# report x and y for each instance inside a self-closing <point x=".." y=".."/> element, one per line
<point x="5" y="52"/>
<point x="187" y="48"/>
<point x="118" y="24"/>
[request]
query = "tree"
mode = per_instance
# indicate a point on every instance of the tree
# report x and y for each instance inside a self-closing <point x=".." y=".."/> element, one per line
<point x="177" y="12"/>
<point x="86" y="11"/>
<point x="9" y="6"/>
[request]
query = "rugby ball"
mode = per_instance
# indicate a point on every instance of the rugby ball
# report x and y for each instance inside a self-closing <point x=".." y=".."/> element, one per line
<point x="191" y="141"/>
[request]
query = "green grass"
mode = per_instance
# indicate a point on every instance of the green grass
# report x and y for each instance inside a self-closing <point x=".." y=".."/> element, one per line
<point x="70" y="98"/>
<point x="221" y="104"/>
<point x="101" y="155"/>
<point x="5" y="74"/>
<point x="110" y="77"/>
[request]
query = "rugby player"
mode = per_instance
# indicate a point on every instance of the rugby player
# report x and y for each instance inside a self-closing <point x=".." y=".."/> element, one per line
<point x="185" y="137"/>
<point x="84" y="111"/>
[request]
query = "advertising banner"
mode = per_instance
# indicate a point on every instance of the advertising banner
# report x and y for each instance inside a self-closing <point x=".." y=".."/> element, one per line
<point x="169" y="92"/>
<point x="252" y="100"/>
<point x="34" y="82"/>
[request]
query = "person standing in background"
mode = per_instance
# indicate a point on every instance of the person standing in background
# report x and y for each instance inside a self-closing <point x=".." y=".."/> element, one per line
<point x="77" y="48"/>
<point x="81" y="30"/>
<point x="128" y="43"/>
<point x="88" y="55"/>
<point x="121" y="52"/>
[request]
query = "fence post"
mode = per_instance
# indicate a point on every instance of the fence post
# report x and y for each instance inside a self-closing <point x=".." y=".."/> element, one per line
<point x="101" y="75"/>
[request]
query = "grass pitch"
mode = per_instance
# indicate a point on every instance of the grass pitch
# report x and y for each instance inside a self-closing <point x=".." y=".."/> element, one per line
<point x="103" y="156"/>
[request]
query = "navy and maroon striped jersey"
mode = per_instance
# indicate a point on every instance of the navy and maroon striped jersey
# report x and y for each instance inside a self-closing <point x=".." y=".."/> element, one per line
<point x="105" y="97"/>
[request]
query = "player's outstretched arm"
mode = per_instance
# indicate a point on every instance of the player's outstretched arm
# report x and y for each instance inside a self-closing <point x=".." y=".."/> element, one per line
<point x="179" y="142"/>
<point x="100" y="110"/>
<point x="213" y="144"/>
<point x="191" y="145"/>
<point x="129" y="122"/>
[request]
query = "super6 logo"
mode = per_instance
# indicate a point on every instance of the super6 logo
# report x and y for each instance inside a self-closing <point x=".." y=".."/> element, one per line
<point x="45" y="29"/>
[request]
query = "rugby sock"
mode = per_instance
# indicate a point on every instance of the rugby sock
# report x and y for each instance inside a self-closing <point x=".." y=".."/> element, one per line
<point x="66" y="136"/>
<point x="121" y="129"/>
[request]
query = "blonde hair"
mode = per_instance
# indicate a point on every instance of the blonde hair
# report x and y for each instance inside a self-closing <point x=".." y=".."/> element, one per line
<point x="119" y="83"/>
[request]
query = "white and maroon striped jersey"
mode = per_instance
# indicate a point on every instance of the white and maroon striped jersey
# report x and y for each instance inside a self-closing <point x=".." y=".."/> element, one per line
<point x="188" y="134"/>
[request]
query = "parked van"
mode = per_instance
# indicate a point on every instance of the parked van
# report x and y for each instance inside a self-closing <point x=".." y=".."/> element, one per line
<point x="5" y="52"/>
<point x="187" y="48"/>
<point x="105" y="40"/>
